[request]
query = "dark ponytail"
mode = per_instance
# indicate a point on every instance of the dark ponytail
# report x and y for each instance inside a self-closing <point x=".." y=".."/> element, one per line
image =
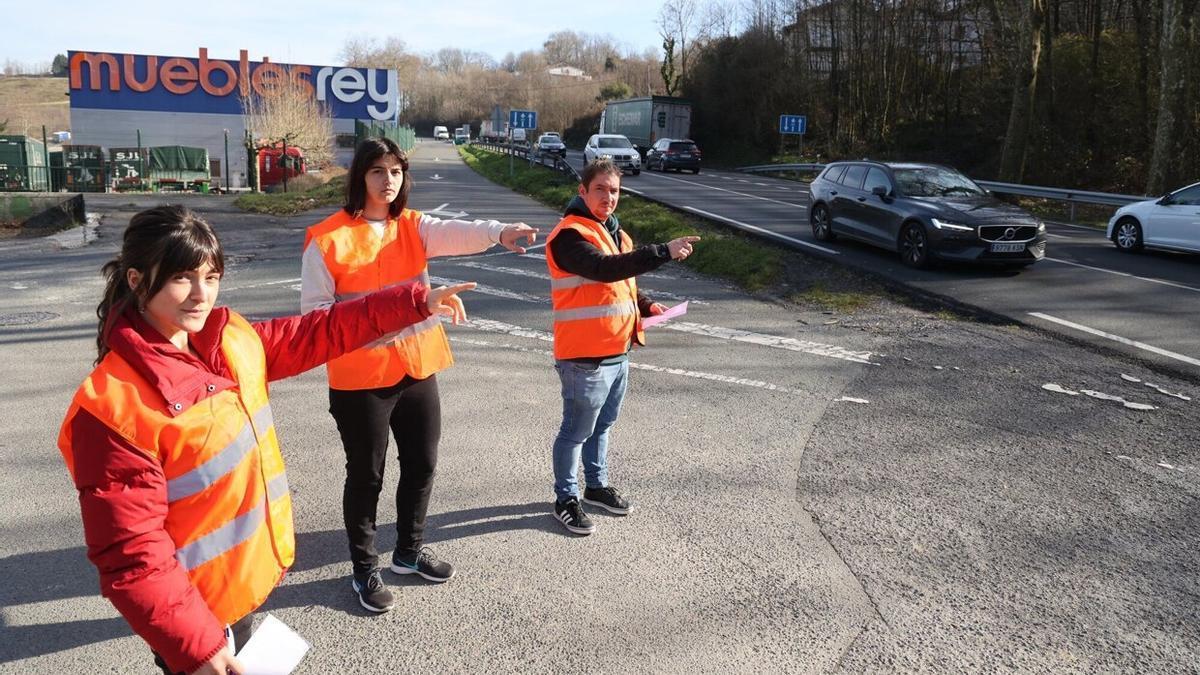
<point x="159" y="243"/>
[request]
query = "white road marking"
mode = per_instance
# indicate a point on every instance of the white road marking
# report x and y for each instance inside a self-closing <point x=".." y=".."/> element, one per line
<point x="759" y="230"/>
<point x="490" y="290"/>
<point x="1117" y="338"/>
<point x="259" y="285"/>
<point x="734" y="192"/>
<point x="774" y="341"/>
<point x="1126" y="274"/>
<point x="538" y="275"/>
<point x="713" y="377"/>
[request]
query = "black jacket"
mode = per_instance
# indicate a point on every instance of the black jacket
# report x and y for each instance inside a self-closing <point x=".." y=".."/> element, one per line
<point x="576" y="255"/>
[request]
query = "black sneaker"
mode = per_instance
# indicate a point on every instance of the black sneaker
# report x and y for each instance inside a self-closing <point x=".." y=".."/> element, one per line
<point x="373" y="595"/>
<point x="608" y="499"/>
<point x="572" y="517"/>
<point x="424" y="563"/>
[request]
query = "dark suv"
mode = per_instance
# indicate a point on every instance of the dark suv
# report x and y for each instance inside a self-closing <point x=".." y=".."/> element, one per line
<point x="670" y="153"/>
<point x="923" y="211"/>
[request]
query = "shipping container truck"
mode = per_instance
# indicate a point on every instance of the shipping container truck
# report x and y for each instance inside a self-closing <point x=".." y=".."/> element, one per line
<point x="492" y="132"/>
<point x="23" y="165"/>
<point x="84" y="168"/>
<point x="645" y="120"/>
<point x="179" y="167"/>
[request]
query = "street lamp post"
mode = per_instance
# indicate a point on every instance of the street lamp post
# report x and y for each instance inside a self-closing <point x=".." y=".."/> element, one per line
<point x="226" y="159"/>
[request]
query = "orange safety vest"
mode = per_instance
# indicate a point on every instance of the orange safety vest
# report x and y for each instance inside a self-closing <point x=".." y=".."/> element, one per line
<point x="592" y="318"/>
<point x="229" y="511"/>
<point x="362" y="263"/>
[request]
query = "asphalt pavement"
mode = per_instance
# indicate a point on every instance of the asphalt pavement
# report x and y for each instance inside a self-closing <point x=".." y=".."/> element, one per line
<point x="885" y="490"/>
<point x="1145" y="306"/>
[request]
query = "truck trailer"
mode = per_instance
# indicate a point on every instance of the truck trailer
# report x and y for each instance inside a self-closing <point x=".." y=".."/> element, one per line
<point x="645" y="120"/>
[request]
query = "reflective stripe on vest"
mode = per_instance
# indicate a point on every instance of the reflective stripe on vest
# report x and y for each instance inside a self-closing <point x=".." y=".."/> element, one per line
<point x="224" y="462"/>
<point x="592" y="318"/>
<point x="229" y="513"/>
<point x="596" y="312"/>
<point x="361" y="262"/>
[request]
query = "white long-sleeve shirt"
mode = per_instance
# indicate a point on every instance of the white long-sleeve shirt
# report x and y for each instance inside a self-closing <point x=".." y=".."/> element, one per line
<point x="440" y="238"/>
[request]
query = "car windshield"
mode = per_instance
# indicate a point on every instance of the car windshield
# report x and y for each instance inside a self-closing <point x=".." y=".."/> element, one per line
<point x="613" y="143"/>
<point x="934" y="181"/>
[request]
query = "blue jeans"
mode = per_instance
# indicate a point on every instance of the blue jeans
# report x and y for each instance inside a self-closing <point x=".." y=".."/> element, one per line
<point x="592" y="398"/>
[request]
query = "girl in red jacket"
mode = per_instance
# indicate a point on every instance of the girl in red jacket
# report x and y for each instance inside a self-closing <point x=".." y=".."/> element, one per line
<point x="171" y="444"/>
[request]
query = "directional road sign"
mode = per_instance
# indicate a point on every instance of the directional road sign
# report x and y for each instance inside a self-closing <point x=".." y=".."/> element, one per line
<point x="522" y="119"/>
<point x="793" y="124"/>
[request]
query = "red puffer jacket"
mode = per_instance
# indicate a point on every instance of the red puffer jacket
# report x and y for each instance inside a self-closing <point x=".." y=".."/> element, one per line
<point x="123" y="491"/>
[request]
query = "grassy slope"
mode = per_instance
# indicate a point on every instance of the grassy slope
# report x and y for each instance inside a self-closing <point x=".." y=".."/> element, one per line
<point x="29" y="102"/>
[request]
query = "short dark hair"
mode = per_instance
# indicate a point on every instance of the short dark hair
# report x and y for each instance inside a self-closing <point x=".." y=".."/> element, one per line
<point x="160" y="243"/>
<point x="365" y="155"/>
<point x="597" y="168"/>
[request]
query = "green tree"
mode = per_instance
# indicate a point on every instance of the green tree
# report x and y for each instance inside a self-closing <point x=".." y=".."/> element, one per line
<point x="613" y="91"/>
<point x="670" y="80"/>
<point x="58" y="67"/>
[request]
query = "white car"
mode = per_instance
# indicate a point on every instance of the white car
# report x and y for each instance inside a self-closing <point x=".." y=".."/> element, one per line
<point x="1170" y="222"/>
<point x="441" y="133"/>
<point x="615" y="147"/>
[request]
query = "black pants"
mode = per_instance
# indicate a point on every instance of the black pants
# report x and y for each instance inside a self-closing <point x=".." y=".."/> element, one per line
<point x="412" y="410"/>
<point x="241" y="634"/>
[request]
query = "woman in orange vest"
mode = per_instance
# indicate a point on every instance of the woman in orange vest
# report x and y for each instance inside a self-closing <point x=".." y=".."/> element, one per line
<point x="171" y="444"/>
<point x="374" y="242"/>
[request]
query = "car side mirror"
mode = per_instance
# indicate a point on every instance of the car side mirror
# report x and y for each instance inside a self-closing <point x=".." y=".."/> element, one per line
<point x="1166" y="200"/>
<point x="880" y="191"/>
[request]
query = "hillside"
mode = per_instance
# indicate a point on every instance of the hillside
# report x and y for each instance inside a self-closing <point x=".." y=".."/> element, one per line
<point x="29" y="102"/>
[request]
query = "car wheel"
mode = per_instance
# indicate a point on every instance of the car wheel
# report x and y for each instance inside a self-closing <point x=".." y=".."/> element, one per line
<point x="636" y="171"/>
<point x="914" y="246"/>
<point x="695" y="171"/>
<point x="1128" y="235"/>
<point x="822" y="227"/>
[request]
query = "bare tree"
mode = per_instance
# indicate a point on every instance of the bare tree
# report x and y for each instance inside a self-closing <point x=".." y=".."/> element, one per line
<point x="678" y="21"/>
<point x="1034" y="37"/>
<point x="287" y="111"/>
<point x="1172" y="131"/>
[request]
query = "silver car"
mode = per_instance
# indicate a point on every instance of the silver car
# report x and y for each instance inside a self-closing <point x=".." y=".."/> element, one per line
<point x="615" y="147"/>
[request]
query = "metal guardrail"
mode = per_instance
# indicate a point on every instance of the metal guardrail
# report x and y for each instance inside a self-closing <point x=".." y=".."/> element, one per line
<point x="1059" y="194"/>
<point x="559" y="164"/>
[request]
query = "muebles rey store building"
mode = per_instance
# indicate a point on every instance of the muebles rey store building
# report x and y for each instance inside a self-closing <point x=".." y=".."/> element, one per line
<point x="135" y="100"/>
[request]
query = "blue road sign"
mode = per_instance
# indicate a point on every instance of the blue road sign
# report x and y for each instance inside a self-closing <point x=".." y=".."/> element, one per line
<point x="793" y="124"/>
<point x="522" y="119"/>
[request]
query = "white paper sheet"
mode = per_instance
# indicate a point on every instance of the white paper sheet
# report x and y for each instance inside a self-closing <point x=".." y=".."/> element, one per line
<point x="274" y="649"/>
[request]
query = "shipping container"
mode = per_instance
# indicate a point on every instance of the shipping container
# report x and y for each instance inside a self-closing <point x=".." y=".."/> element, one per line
<point x="84" y="168"/>
<point x="645" y="120"/>
<point x="23" y="165"/>
<point x="129" y="167"/>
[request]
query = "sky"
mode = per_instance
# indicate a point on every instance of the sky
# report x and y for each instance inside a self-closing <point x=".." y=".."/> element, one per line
<point x="312" y="32"/>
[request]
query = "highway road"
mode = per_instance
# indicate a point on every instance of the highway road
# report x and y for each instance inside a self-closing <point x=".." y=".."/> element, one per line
<point x="1146" y="305"/>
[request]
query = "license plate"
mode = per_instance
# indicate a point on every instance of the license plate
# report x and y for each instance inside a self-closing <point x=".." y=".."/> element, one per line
<point x="1007" y="248"/>
<point x="685" y="156"/>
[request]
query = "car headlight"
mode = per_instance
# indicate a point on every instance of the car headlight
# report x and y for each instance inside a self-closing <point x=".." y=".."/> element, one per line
<point x="954" y="227"/>
<point x="605" y="156"/>
<point x="1041" y="227"/>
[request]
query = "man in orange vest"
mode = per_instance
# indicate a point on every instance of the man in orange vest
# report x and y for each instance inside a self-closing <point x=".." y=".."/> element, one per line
<point x="597" y="319"/>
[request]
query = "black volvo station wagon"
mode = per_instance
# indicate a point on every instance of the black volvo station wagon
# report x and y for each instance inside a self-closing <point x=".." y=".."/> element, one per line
<point x="926" y="212"/>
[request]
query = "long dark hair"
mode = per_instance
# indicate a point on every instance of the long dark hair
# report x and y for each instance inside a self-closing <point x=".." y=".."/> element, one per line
<point x="366" y="154"/>
<point x="159" y="243"/>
